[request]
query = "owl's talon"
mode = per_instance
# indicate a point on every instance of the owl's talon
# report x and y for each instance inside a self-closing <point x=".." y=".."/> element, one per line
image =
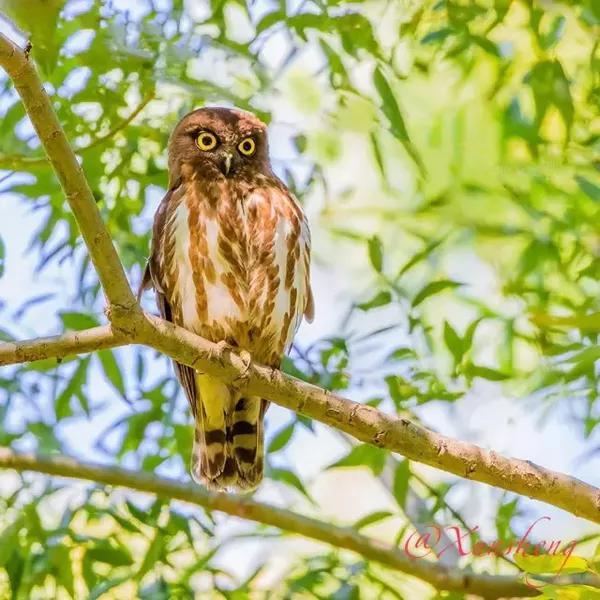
<point x="241" y="381"/>
<point x="224" y="345"/>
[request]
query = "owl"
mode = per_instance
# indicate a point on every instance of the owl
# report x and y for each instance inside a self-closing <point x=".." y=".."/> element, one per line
<point x="229" y="261"/>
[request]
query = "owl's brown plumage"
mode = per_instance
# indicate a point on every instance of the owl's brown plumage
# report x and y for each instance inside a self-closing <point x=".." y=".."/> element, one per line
<point x="229" y="261"/>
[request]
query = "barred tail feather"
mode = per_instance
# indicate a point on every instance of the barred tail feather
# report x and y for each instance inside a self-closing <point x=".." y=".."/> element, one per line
<point x="228" y="450"/>
<point x="247" y="441"/>
<point x="209" y="463"/>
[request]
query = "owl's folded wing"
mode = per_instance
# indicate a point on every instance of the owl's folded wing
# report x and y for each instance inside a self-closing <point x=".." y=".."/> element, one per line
<point x="153" y="278"/>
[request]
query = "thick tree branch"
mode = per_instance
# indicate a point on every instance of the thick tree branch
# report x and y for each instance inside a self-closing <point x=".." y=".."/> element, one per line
<point x="72" y="179"/>
<point x="439" y="576"/>
<point x="376" y="427"/>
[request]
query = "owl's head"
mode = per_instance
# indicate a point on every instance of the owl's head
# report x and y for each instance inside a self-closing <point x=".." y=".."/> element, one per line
<point x="219" y="142"/>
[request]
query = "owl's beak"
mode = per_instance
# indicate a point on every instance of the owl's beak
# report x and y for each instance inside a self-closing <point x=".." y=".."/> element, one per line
<point x="226" y="164"/>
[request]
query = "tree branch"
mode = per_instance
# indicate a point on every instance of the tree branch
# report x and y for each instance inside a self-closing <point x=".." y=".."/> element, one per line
<point x="375" y="427"/>
<point x="72" y="179"/>
<point x="439" y="576"/>
<point x="59" y="346"/>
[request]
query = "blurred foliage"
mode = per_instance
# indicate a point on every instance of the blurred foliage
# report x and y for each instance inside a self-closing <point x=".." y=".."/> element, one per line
<point x="448" y="156"/>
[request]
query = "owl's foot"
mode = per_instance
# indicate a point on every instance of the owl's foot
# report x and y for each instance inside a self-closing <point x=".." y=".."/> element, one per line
<point x="224" y="345"/>
<point x="241" y="381"/>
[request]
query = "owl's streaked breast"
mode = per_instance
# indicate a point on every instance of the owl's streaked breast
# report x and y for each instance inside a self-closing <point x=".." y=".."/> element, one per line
<point x="242" y="268"/>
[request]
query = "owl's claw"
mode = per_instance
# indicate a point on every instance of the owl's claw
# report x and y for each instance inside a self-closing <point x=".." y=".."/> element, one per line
<point x="241" y="381"/>
<point x="223" y="345"/>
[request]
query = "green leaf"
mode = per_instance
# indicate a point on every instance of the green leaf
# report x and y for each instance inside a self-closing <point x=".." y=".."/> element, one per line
<point x="152" y="554"/>
<point x="401" y="480"/>
<point x="588" y="188"/>
<point x="60" y="558"/>
<point x="376" y="253"/>
<point x="569" y="592"/>
<point x="391" y="110"/>
<point x="390" y="106"/>
<point x="106" y="586"/>
<point x="453" y="342"/>
<point x="555" y="34"/>
<point x="419" y="256"/>
<point x="485" y="373"/>
<point x="62" y="404"/>
<point x="551" y="87"/>
<point x="377" y="154"/>
<point x="339" y="75"/>
<point x="289" y="478"/>
<point x="371" y="518"/>
<point x="38" y="18"/>
<point x="380" y="299"/>
<point x="78" y="321"/>
<point x="269" y="20"/>
<point x="138" y="513"/>
<point x="467" y="340"/>
<point x="435" y="287"/>
<point x="550" y="563"/>
<point x="112" y="370"/>
<point x="363" y="455"/>
<point x="486" y="44"/>
<point x="8" y="540"/>
<point x="110" y="554"/>
<point x="282" y="437"/>
<point x="503" y="518"/>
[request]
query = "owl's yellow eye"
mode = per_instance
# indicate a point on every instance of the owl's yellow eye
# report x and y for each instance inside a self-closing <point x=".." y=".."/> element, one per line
<point x="247" y="147"/>
<point x="206" y="141"/>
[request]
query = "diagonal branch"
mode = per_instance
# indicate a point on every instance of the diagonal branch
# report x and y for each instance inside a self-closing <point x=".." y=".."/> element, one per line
<point x="436" y="574"/>
<point x="363" y="422"/>
<point x="72" y="179"/>
<point x="375" y="427"/>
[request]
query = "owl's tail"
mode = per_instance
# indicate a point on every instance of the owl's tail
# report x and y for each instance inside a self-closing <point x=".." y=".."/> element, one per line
<point x="228" y="450"/>
<point x="246" y="439"/>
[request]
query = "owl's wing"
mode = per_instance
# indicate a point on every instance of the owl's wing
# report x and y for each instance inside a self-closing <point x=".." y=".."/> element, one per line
<point x="309" y="308"/>
<point x="309" y="311"/>
<point x="154" y="277"/>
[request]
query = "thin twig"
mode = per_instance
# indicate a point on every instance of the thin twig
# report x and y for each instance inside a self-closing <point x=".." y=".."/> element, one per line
<point x="16" y="161"/>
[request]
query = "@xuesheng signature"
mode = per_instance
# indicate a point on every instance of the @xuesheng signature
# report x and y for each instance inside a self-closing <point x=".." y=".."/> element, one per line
<point x="433" y="541"/>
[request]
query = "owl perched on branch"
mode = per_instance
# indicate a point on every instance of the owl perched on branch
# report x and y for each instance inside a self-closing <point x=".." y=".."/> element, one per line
<point x="230" y="261"/>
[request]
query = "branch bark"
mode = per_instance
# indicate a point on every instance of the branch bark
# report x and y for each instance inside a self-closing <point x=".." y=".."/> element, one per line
<point x="439" y="576"/>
